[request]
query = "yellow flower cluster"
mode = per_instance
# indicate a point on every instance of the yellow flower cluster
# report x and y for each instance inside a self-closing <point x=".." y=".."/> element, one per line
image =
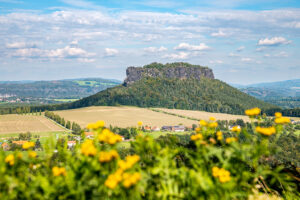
<point x="140" y="123"/>
<point x="196" y="137"/>
<point x="28" y="145"/>
<point x="213" y="125"/>
<point x="253" y="112"/>
<point x="203" y="123"/>
<point x="108" y="156"/>
<point x="219" y="135"/>
<point x="57" y="171"/>
<point x="88" y="148"/>
<point x="94" y="126"/>
<point x="198" y="130"/>
<point x="128" y="162"/>
<point x="278" y="114"/>
<point x="131" y="179"/>
<point x="212" y="119"/>
<point x="266" y="131"/>
<point x="231" y="139"/>
<point x="109" y="137"/>
<point x="236" y="129"/>
<point x="282" y="120"/>
<point x="32" y="154"/>
<point x="113" y="179"/>
<point x="10" y="159"/>
<point x="222" y="174"/>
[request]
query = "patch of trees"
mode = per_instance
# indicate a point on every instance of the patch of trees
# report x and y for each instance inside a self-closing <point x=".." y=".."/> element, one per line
<point x="76" y="129"/>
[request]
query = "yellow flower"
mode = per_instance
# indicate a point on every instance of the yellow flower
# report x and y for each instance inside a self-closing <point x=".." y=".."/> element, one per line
<point x="131" y="179"/>
<point x="140" y="123"/>
<point x="266" y="131"/>
<point x="113" y="179"/>
<point x="213" y="125"/>
<point x="129" y="162"/>
<point x="282" y="120"/>
<point x="108" y="156"/>
<point x="236" y="129"/>
<point x="197" y="130"/>
<point x="88" y="148"/>
<point x="32" y="154"/>
<point x="109" y="137"/>
<point x="253" y="112"/>
<point x="222" y="174"/>
<point x="203" y="123"/>
<point x="231" y="139"/>
<point x="28" y="145"/>
<point x="196" y="137"/>
<point x="219" y="135"/>
<point x="278" y="114"/>
<point x="57" y="171"/>
<point x="10" y="159"/>
<point x="91" y="126"/>
<point x="212" y="119"/>
<point x="100" y="124"/>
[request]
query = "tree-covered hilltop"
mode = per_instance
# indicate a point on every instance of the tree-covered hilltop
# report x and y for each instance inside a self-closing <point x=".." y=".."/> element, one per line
<point x="191" y="94"/>
<point x="175" y="64"/>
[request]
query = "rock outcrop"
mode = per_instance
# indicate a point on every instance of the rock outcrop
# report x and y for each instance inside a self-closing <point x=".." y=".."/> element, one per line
<point x="181" y="72"/>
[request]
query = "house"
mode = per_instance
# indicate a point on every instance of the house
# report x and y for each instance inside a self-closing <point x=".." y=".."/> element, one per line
<point x="147" y="128"/>
<point x="155" y="128"/>
<point x="89" y="135"/>
<point x="5" y="146"/>
<point x="178" y="128"/>
<point x="71" y="144"/>
<point x="167" y="128"/>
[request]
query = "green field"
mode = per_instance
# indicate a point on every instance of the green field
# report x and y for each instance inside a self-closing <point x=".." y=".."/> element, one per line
<point x="65" y="100"/>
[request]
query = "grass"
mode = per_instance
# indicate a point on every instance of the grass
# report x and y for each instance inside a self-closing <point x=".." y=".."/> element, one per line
<point x="11" y="125"/>
<point x="122" y="116"/>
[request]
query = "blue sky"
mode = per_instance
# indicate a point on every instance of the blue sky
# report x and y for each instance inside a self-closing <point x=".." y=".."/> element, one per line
<point x="242" y="41"/>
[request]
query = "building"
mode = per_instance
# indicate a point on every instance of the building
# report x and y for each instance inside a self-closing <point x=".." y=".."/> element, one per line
<point x="178" y="128"/>
<point x="89" y="135"/>
<point x="155" y="128"/>
<point x="167" y="128"/>
<point x="71" y="144"/>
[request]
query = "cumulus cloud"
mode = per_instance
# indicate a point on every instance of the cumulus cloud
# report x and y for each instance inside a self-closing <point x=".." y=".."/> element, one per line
<point x="241" y="48"/>
<point x="177" y="56"/>
<point x="155" y="49"/>
<point x="216" y="62"/>
<point x="110" y="52"/>
<point x="189" y="47"/>
<point x="19" y="45"/>
<point x="274" y="41"/>
<point x="219" y="34"/>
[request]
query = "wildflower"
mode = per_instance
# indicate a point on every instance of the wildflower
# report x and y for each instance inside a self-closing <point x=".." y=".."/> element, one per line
<point x="222" y="174"/>
<point x="197" y="130"/>
<point x="128" y="162"/>
<point x="10" y="159"/>
<point x="131" y="179"/>
<point x="282" y="120"/>
<point x="212" y="140"/>
<point x="113" y="179"/>
<point x="213" y="125"/>
<point x="32" y="154"/>
<point x="28" y="145"/>
<point x="236" y="129"/>
<point x="212" y="119"/>
<point x="253" y="112"/>
<point x="278" y="114"/>
<point x="140" y="123"/>
<point x="100" y="124"/>
<point x="266" y="131"/>
<point x="219" y="135"/>
<point x="196" y="137"/>
<point x="91" y="126"/>
<point x="109" y="137"/>
<point x="88" y="148"/>
<point x="57" y="171"/>
<point x="108" y="156"/>
<point x="203" y="123"/>
<point x="230" y="139"/>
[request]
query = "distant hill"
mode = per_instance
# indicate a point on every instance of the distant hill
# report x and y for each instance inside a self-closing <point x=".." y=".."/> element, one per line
<point x="57" y="89"/>
<point x="175" y="85"/>
<point x="283" y="93"/>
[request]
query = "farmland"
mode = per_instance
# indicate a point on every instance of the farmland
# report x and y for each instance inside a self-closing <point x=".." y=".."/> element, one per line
<point x="14" y="124"/>
<point x="121" y="116"/>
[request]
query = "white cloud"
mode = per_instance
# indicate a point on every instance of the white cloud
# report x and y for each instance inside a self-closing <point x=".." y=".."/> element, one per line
<point x="219" y="34"/>
<point x="111" y="52"/>
<point x="155" y="49"/>
<point x="274" y="41"/>
<point x="19" y="45"/>
<point x="68" y="52"/>
<point x="216" y="62"/>
<point x="281" y="54"/>
<point x="86" y="60"/>
<point x="179" y="56"/>
<point x="241" y="48"/>
<point x="233" y="55"/>
<point x="246" y="59"/>
<point x="189" y="47"/>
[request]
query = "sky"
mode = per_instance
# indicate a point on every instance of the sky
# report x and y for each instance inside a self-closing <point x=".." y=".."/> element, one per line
<point x="243" y="41"/>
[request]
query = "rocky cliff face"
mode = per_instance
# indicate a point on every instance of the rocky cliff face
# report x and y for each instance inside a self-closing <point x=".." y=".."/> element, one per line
<point x="181" y="72"/>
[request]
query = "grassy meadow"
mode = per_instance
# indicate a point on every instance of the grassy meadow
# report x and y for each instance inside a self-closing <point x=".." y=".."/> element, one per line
<point x="12" y="125"/>
<point x="121" y="116"/>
